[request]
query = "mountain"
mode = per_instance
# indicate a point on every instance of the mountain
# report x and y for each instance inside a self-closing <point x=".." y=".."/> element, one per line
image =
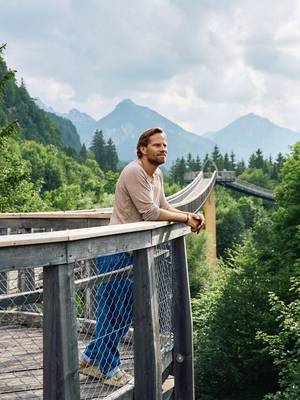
<point x="125" y="123"/>
<point x="250" y="132"/>
<point x="69" y="134"/>
<point x="85" y="124"/>
<point x="243" y="136"/>
<point x="67" y="130"/>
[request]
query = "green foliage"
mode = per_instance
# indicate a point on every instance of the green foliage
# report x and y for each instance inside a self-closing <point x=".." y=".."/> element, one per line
<point x="68" y="131"/>
<point x="234" y="359"/>
<point x="111" y="179"/>
<point x="34" y="123"/>
<point x="171" y="188"/>
<point x="57" y="174"/>
<point x="111" y="155"/>
<point x="17" y="192"/>
<point x="230" y="362"/>
<point x="178" y="170"/>
<point x="69" y="197"/>
<point x="260" y="171"/>
<point x="234" y="217"/>
<point x="257" y="177"/>
<point x="284" y="346"/>
<point x="199" y="269"/>
<point x="105" y="153"/>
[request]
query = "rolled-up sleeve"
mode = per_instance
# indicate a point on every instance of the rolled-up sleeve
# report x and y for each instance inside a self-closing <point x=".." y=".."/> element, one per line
<point x="141" y="193"/>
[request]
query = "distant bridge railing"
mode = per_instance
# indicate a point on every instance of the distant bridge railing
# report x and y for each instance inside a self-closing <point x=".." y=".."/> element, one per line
<point x="52" y="286"/>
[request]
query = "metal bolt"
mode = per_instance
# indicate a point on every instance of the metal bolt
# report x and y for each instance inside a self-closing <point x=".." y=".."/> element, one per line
<point x="179" y="358"/>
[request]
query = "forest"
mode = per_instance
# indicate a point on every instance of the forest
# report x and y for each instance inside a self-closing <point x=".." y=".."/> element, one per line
<point x="246" y="312"/>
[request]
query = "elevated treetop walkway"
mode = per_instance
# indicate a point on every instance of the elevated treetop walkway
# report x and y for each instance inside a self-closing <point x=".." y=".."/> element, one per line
<point x="228" y="179"/>
<point x="51" y="285"/>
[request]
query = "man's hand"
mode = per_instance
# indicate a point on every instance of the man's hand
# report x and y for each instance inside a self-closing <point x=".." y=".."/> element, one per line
<point x="196" y="222"/>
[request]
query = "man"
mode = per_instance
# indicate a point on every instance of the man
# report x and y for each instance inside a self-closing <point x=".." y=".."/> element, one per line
<point x="139" y="196"/>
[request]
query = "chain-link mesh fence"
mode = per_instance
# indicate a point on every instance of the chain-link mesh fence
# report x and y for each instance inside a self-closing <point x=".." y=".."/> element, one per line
<point x="104" y="301"/>
<point x="164" y="283"/>
<point x="104" y="307"/>
<point x="21" y="337"/>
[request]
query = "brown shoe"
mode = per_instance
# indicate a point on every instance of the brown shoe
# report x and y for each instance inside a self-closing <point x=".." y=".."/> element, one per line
<point x="89" y="370"/>
<point x="119" y="379"/>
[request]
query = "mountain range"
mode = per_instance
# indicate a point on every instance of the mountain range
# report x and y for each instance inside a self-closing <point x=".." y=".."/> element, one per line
<point x="243" y="136"/>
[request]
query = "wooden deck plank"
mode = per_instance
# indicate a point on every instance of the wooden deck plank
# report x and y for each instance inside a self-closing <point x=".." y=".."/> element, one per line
<point x="21" y="372"/>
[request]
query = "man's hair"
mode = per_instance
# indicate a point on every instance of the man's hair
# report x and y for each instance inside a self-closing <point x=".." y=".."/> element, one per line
<point x="144" y="139"/>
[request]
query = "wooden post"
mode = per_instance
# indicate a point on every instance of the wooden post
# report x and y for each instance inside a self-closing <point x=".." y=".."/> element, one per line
<point x="210" y="224"/>
<point x="183" y="327"/>
<point x="61" y="378"/>
<point x="3" y="274"/>
<point x="3" y="284"/>
<point x="26" y="281"/>
<point x="147" y="357"/>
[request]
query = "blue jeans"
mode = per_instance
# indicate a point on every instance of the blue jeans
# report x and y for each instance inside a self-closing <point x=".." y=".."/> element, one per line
<point x="114" y="315"/>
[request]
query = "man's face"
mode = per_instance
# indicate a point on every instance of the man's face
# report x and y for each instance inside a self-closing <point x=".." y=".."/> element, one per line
<point x="156" y="150"/>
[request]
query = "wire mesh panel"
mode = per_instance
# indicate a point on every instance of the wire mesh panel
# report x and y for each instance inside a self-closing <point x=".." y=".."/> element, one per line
<point x="21" y="337"/>
<point x="104" y="301"/>
<point x="164" y="282"/>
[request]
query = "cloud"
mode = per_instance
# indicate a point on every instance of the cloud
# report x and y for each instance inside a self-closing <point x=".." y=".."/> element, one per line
<point x="201" y="63"/>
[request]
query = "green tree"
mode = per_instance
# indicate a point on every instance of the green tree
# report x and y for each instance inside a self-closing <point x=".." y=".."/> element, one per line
<point x="227" y="163"/>
<point x="98" y="149"/>
<point x="83" y="153"/>
<point x="200" y="272"/>
<point x="284" y="346"/>
<point x="232" y="161"/>
<point x="217" y="158"/>
<point x="257" y="160"/>
<point x="111" y="179"/>
<point x="257" y="177"/>
<point x="231" y="359"/>
<point x="240" y="167"/>
<point x="17" y="193"/>
<point x="111" y="156"/>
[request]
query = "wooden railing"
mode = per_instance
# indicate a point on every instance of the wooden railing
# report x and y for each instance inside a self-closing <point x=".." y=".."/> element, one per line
<point x="57" y="252"/>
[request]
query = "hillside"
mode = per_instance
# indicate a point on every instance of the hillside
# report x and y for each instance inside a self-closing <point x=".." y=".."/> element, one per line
<point x="35" y="124"/>
<point x="85" y="124"/>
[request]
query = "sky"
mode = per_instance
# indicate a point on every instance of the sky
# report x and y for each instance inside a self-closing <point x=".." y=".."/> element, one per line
<point x="200" y="63"/>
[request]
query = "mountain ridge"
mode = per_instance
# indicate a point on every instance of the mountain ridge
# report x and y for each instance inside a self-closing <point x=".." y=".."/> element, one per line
<point x="252" y="130"/>
<point x="127" y="120"/>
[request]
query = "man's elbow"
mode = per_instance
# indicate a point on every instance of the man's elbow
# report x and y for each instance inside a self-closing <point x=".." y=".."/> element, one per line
<point x="151" y="215"/>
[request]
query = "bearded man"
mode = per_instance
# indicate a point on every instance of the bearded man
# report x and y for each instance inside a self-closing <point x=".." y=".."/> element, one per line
<point x="139" y="196"/>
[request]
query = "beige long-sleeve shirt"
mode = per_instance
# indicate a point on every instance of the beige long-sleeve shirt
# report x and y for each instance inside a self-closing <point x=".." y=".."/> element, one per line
<point x="138" y="196"/>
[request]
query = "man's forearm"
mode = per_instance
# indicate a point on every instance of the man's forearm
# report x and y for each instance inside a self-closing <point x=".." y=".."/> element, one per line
<point x="173" y="209"/>
<point x="172" y="214"/>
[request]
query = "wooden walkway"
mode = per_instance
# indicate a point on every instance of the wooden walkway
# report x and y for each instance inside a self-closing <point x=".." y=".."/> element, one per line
<point x="21" y="359"/>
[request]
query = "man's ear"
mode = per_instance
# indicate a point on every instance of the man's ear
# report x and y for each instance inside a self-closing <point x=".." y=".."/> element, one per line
<point x="143" y="150"/>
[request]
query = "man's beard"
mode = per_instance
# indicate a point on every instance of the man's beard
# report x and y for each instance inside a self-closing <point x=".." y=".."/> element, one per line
<point x="155" y="161"/>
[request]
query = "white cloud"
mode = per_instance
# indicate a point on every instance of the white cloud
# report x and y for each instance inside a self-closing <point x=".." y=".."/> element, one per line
<point x="201" y="63"/>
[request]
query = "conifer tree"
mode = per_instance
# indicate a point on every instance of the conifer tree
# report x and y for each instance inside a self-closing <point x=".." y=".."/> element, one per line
<point x="232" y="161"/>
<point x="98" y="148"/>
<point x="83" y="152"/>
<point x="111" y="156"/>
<point x="198" y="164"/>
<point x="226" y="164"/>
